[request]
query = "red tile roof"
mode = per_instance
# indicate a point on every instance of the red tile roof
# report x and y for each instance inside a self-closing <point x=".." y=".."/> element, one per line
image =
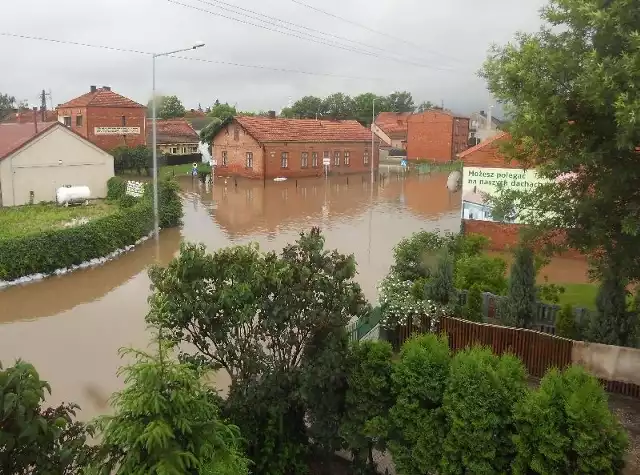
<point x="21" y="117"/>
<point x="482" y="145"/>
<point x="101" y="97"/>
<point x="173" y="131"/>
<point x="393" y="123"/>
<point x="15" y="136"/>
<point x="265" y="129"/>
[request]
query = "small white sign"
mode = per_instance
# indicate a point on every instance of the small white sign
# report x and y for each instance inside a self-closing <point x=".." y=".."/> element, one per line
<point x="214" y="163"/>
<point x="117" y="130"/>
<point x="135" y="188"/>
<point x="326" y="161"/>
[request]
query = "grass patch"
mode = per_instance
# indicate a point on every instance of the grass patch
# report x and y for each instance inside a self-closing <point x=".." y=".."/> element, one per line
<point x="429" y="166"/>
<point x="177" y="170"/>
<point x="20" y="221"/>
<point x="579" y="295"/>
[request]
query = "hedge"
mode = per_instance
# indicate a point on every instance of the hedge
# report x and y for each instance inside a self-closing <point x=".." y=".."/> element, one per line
<point x="60" y="248"/>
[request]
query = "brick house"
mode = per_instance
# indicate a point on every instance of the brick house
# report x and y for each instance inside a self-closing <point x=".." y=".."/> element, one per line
<point x="269" y="147"/>
<point x="105" y="118"/>
<point x="436" y="135"/>
<point x="173" y="136"/>
<point x="391" y="128"/>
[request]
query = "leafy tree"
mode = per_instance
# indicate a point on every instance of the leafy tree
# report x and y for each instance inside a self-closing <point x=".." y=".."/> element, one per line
<point x="7" y="104"/>
<point x="612" y="323"/>
<point x="400" y="101"/>
<point x="209" y="132"/>
<point x="566" y="323"/>
<point x="308" y="107"/>
<point x="167" y="421"/>
<point x="571" y="93"/>
<point x="417" y="423"/>
<point x="338" y="106"/>
<point x="440" y="288"/>
<point x="566" y="427"/>
<point x="132" y="159"/>
<point x="488" y="273"/>
<point x="368" y="401"/>
<point x="520" y="303"/>
<point x="222" y="111"/>
<point x="48" y="440"/>
<point x="472" y="309"/>
<point x="427" y="105"/>
<point x="169" y="203"/>
<point x="363" y="107"/>
<point x="413" y="254"/>
<point x="287" y="113"/>
<point x="481" y="393"/>
<point x="167" y="107"/>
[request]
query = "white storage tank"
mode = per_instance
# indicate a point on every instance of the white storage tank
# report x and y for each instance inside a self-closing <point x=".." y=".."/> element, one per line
<point x="66" y="195"/>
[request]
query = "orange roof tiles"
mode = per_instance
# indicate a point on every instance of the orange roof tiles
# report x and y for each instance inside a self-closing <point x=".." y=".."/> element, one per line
<point x="265" y="129"/>
<point x="101" y="97"/>
<point x="482" y="145"/>
<point x="173" y="131"/>
<point x="393" y="123"/>
<point x="14" y="136"/>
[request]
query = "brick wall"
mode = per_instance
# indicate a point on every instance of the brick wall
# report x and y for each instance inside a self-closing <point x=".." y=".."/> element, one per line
<point x="74" y="113"/>
<point x="236" y="147"/>
<point x="429" y="136"/>
<point x="489" y="157"/>
<point x="116" y="117"/>
<point x="505" y="236"/>
<point x="460" y="135"/>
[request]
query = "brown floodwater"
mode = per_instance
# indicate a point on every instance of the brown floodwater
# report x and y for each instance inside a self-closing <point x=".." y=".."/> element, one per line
<point x="71" y="327"/>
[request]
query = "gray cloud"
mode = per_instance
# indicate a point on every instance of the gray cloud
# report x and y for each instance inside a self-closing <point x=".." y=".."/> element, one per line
<point x="454" y="34"/>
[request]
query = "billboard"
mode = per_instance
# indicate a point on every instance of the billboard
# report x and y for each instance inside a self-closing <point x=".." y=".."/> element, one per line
<point x="117" y="130"/>
<point x="480" y="182"/>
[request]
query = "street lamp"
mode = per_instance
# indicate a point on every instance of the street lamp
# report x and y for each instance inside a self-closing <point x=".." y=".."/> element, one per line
<point x="373" y="123"/>
<point x="156" y="219"/>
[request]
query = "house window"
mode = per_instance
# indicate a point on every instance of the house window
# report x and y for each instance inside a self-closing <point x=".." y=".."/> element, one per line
<point x="249" y="159"/>
<point x="336" y="159"/>
<point x="67" y="121"/>
<point x="314" y="159"/>
<point x="284" y="160"/>
<point x="236" y="133"/>
<point x="224" y="158"/>
<point x="347" y="158"/>
<point x="326" y="155"/>
<point x="78" y="121"/>
<point x="304" y="160"/>
<point x="124" y="121"/>
<point x="174" y="150"/>
<point x="366" y="157"/>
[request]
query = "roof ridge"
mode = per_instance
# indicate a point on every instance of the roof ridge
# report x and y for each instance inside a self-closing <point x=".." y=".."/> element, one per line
<point x="482" y="145"/>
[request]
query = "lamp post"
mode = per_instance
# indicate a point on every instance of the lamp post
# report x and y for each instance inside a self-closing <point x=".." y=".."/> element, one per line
<point x="373" y="123"/>
<point x="156" y="218"/>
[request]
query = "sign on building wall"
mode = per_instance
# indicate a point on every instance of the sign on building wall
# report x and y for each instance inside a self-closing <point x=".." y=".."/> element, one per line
<point x="117" y="130"/>
<point x="478" y="183"/>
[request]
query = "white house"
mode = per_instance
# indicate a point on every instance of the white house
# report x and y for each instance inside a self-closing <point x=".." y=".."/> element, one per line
<point x="36" y="159"/>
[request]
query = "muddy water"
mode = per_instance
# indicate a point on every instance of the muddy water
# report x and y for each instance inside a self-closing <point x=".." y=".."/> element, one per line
<point x="71" y="326"/>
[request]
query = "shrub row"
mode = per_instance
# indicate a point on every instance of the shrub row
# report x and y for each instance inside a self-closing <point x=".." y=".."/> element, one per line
<point x="47" y="251"/>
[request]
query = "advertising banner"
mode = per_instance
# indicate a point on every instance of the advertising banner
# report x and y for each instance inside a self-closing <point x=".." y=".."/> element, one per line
<point x="117" y="130"/>
<point x="478" y="183"/>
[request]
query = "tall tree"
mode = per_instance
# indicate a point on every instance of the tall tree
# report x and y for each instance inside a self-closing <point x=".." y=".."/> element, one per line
<point x="519" y="307"/>
<point x="167" y="107"/>
<point x="309" y="107"/>
<point x="401" y="101"/>
<point x="363" y="107"/>
<point x="338" y="106"/>
<point x="222" y="111"/>
<point x="571" y="92"/>
<point x="427" y="105"/>
<point x="7" y="104"/>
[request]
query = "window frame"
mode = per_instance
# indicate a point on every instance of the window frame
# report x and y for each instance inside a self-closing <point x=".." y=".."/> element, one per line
<point x="347" y="158"/>
<point x="66" y="121"/>
<point x="79" y="122"/>
<point x="336" y="158"/>
<point x="225" y="158"/>
<point x="314" y="159"/>
<point x="304" y="160"/>
<point x="284" y="160"/>
<point x="249" y="160"/>
<point x="365" y="157"/>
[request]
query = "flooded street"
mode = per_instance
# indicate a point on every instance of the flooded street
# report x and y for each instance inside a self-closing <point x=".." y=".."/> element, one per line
<point x="70" y="327"/>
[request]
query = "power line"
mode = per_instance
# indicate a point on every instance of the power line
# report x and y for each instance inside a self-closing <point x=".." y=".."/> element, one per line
<point x="186" y="58"/>
<point x="360" y="25"/>
<point x="252" y="14"/>
<point x="306" y="38"/>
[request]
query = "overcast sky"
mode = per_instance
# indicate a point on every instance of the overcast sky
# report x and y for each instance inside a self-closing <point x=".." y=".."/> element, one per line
<point x="446" y="41"/>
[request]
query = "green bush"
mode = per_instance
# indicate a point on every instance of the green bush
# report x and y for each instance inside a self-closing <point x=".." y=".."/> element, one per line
<point x="367" y="400"/>
<point x="472" y="310"/>
<point x="566" y="323"/>
<point x="481" y="393"/>
<point x="470" y="245"/>
<point x="127" y="201"/>
<point x="489" y="273"/>
<point x="520" y="303"/>
<point x="417" y="423"/>
<point x="169" y="203"/>
<point x="566" y="427"/>
<point x="411" y="255"/>
<point x="440" y="287"/>
<point x="116" y="188"/>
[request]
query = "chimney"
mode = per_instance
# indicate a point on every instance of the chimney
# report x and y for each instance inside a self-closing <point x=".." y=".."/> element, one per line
<point x="35" y="118"/>
<point x="272" y="114"/>
<point x="93" y="89"/>
<point x="106" y="88"/>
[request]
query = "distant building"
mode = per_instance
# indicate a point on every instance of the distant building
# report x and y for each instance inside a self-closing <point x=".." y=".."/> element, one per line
<point x="105" y="118"/>
<point x="270" y="147"/>
<point x="391" y="129"/>
<point x="23" y="116"/>
<point x="174" y="137"/>
<point x="38" y="158"/>
<point x="436" y="135"/>
<point x="483" y="126"/>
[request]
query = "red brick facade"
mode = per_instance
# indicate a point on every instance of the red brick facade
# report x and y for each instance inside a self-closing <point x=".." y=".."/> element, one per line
<point x="436" y="135"/>
<point x="291" y="159"/>
<point x="104" y="108"/>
